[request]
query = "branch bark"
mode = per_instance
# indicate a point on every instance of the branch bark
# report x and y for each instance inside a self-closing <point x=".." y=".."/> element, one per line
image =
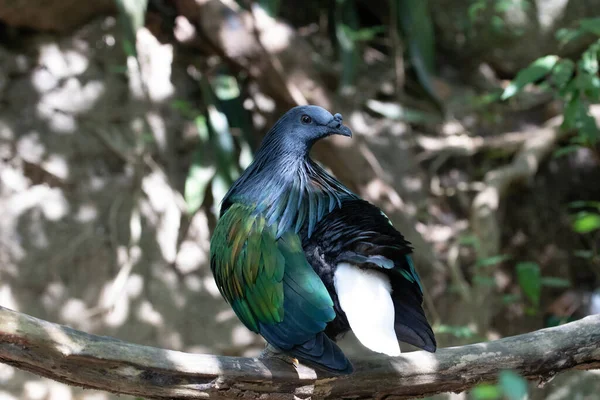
<point x="95" y="362"/>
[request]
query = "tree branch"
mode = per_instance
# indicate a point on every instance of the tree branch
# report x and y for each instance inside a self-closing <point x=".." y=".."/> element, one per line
<point x="96" y="362"/>
<point x="465" y="145"/>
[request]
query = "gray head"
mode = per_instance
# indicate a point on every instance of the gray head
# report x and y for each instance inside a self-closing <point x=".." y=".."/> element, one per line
<point x="283" y="155"/>
<point x="299" y="128"/>
<point x="313" y="123"/>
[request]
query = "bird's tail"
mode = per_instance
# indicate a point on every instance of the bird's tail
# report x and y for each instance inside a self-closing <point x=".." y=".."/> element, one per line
<point x="320" y="351"/>
<point x="324" y="353"/>
<point x="410" y="323"/>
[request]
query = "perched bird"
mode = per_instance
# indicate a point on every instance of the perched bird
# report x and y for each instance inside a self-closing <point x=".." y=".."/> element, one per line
<point x="302" y="260"/>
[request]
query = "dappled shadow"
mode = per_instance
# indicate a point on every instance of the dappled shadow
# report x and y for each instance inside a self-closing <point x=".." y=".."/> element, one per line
<point x="70" y="123"/>
<point x="71" y="127"/>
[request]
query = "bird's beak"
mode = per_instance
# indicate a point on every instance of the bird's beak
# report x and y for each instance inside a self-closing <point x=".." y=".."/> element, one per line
<point x="337" y="128"/>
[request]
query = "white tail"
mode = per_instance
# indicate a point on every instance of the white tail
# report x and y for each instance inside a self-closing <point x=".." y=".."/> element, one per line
<point x="365" y="297"/>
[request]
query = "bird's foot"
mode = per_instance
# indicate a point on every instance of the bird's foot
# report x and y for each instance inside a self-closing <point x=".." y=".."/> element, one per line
<point x="273" y="352"/>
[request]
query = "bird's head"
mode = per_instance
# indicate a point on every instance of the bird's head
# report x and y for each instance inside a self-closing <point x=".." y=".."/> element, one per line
<point x="314" y="123"/>
<point x="301" y="126"/>
<point x="283" y="152"/>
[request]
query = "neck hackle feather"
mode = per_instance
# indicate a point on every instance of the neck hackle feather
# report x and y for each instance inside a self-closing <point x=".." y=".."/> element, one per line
<point x="285" y="184"/>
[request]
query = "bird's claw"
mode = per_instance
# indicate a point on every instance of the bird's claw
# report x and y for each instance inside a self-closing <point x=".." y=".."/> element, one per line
<point x="273" y="352"/>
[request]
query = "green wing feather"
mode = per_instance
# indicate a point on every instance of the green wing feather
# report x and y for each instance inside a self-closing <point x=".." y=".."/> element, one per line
<point x="247" y="267"/>
<point x="250" y="263"/>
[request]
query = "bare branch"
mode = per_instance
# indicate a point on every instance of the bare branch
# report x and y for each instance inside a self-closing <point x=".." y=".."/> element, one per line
<point x="466" y="145"/>
<point x="104" y="363"/>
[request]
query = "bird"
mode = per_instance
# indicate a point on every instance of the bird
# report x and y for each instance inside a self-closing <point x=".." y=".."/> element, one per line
<point x="302" y="260"/>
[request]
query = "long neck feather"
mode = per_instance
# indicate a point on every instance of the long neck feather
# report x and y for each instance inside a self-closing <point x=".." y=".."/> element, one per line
<point x="289" y="188"/>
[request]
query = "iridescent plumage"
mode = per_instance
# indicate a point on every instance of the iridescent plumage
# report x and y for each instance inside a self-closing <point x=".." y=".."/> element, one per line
<point x="285" y="225"/>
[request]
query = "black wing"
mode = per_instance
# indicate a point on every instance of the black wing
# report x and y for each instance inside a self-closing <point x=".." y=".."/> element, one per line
<point x="359" y="233"/>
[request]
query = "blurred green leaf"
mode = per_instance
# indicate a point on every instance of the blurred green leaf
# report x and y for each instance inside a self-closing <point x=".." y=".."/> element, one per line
<point x="132" y="14"/>
<point x="219" y="136"/>
<point x="463" y="331"/>
<point x="593" y="88"/>
<point x="196" y="184"/>
<point x="469" y="240"/>
<point x="585" y="254"/>
<point x="569" y="90"/>
<point x="346" y="24"/>
<point x="587" y="25"/>
<point x="551" y="281"/>
<point x="589" y="85"/>
<point x="530" y="311"/>
<point x="484" y="280"/>
<point x="513" y="386"/>
<point x="554" y="320"/>
<point x="491" y="261"/>
<point x="118" y="69"/>
<point x="184" y="107"/>
<point x="510" y="298"/>
<point x="497" y="23"/>
<point x="219" y="187"/>
<point x="572" y="113"/>
<point x="535" y="71"/>
<point x="366" y="34"/>
<point x="589" y="130"/>
<point x="563" y="151"/>
<point x="148" y="137"/>
<point x="565" y="35"/>
<point x="503" y="6"/>
<point x="270" y="6"/>
<point x="129" y="48"/>
<point x="585" y="204"/>
<point x="415" y="24"/>
<point x="225" y="87"/>
<point x="223" y="143"/>
<point x="483" y="100"/>
<point x="591" y="25"/>
<point x="529" y="278"/>
<point x="562" y="72"/>
<point x="475" y="9"/>
<point x="486" y="392"/>
<point x="214" y="131"/>
<point x="230" y="101"/>
<point x="246" y="155"/>
<point x="201" y="127"/>
<point x="577" y="117"/>
<point x="199" y="175"/>
<point x="586" y="222"/>
<point x="589" y="60"/>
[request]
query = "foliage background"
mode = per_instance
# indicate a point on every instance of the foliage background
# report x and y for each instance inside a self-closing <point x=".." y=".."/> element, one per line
<point x="123" y="123"/>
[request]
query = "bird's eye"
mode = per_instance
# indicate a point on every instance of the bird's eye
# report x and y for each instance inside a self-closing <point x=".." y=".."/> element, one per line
<point x="306" y="119"/>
